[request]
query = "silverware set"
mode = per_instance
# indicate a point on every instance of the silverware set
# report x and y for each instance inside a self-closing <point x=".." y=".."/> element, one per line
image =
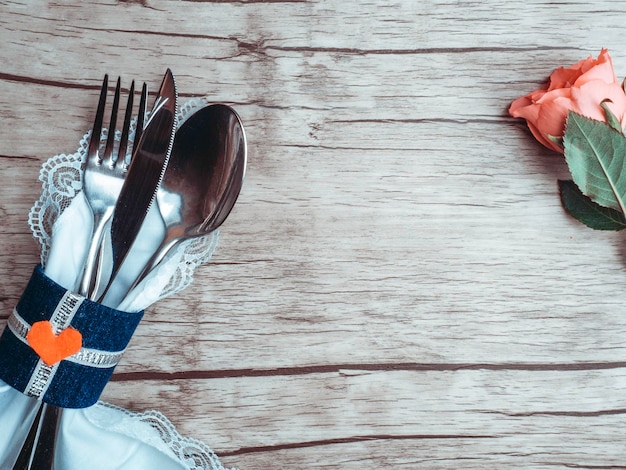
<point x="195" y="175"/>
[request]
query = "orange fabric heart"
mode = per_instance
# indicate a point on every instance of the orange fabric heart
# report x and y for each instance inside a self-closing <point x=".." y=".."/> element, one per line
<point x="53" y="348"/>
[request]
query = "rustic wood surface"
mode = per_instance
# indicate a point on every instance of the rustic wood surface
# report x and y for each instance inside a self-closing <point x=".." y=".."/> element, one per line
<point x="398" y="286"/>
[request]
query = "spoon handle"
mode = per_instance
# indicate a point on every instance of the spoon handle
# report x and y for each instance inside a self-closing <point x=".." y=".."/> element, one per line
<point x="160" y="256"/>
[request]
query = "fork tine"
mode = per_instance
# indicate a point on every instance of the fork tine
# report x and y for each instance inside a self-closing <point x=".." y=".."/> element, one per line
<point x="141" y="116"/>
<point x="121" y="154"/>
<point x="94" y="141"/>
<point x="108" y="150"/>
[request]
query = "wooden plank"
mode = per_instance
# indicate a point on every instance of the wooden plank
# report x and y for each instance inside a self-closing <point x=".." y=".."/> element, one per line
<point x="345" y="418"/>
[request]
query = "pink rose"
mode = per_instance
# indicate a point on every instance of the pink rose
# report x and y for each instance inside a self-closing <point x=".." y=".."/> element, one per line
<point x="580" y="88"/>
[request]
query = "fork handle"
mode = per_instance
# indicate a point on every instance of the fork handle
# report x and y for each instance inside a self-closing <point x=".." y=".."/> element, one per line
<point x="104" y="265"/>
<point x="91" y="276"/>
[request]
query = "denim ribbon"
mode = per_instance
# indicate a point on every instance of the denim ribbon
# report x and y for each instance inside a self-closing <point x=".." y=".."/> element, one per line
<point x="77" y="380"/>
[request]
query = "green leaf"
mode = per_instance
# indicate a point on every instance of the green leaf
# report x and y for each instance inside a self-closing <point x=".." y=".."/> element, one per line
<point x="595" y="154"/>
<point x="588" y="212"/>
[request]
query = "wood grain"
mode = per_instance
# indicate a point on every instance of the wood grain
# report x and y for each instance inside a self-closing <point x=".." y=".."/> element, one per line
<point x="398" y="285"/>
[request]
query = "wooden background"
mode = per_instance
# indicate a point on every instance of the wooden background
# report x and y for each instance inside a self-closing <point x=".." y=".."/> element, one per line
<point x="398" y="286"/>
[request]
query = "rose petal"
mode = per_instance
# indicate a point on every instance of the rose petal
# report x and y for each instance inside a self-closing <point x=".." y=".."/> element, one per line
<point x="602" y="70"/>
<point x="518" y="105"/>
<point x="552" y="116"/>
<point x="586" y="100"/>
<point x="544" y="140"/>
<point x="562" y="78"/>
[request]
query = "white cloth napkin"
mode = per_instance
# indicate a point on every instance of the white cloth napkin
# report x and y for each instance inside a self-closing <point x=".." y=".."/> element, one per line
<point x="104" y="437"/>
<point x="72" y="229"/>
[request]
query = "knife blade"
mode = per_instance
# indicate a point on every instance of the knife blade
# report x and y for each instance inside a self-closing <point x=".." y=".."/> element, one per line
<point x="147" y="166"/>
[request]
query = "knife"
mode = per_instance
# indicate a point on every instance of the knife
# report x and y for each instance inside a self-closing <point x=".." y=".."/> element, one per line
<point x="147" y="166"/>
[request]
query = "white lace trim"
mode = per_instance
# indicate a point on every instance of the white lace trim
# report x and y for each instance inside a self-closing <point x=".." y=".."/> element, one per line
<point x="194" y="454"/>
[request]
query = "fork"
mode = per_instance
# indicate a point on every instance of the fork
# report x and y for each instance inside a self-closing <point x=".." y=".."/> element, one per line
<point x="102" y="181"/>
<point x="103" y="176"/>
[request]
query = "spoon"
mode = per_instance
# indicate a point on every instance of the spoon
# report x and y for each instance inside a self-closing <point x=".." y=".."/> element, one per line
<point x="202" y="181"/>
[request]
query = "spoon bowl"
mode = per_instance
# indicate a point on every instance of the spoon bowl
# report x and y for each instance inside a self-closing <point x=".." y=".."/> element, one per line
<point x="204" y="173"/>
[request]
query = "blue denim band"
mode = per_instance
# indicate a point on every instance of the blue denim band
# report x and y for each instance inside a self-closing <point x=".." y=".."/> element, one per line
<point x="77" y="381"/>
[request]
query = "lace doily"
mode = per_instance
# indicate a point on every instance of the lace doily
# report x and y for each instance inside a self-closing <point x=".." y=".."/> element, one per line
<point x="195" y="454"/>
<point x="61" y="178"/>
